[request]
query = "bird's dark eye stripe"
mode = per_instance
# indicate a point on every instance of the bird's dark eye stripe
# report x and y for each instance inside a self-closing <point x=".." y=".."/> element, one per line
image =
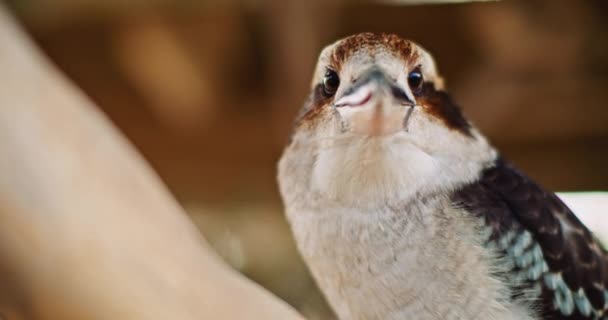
<point x="440" y="104"/>
<point x="331" y="82"/>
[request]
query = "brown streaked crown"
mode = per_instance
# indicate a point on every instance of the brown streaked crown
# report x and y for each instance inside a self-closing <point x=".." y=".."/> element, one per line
<point x="371" y="41"/>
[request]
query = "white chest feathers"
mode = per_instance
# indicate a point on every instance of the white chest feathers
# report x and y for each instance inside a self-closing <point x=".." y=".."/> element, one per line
<point x="422" y="261"/>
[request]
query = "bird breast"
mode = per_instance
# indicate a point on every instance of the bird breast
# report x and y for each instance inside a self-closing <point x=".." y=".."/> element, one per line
<point x="414" y="262"/>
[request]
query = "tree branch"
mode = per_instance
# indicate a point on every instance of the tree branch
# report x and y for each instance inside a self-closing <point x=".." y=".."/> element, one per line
<point x="87" y="230"/>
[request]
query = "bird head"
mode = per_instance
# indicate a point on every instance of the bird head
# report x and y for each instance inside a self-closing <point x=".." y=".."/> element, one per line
<point x="378" y="122"/>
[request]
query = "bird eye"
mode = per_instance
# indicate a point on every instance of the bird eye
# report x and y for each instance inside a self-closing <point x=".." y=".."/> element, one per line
<point x="331" y="82"/>
<point x="415" y="80"/>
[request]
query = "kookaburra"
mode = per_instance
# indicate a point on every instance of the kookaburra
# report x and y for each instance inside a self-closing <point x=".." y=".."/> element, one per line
<point x="402" y="209"/>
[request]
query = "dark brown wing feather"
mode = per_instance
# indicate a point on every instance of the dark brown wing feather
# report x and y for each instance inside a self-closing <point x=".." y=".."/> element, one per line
<point x="552" y="255"/>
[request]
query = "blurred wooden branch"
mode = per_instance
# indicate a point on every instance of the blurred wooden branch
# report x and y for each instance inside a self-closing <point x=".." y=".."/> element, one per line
<point x="87" y="231"/>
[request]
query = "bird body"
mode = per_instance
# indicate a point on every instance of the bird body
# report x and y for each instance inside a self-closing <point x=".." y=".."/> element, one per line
<point x="403" y="210"/>
<point x="382" y="264"/>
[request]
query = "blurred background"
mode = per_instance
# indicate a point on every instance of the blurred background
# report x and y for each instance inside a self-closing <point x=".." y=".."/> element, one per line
<point x="207" y="91"/>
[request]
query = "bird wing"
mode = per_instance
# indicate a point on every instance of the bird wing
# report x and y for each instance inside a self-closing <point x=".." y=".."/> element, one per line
<point x="547" y="251"/>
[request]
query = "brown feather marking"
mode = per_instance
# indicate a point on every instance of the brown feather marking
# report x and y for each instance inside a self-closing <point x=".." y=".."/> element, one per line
<point x="439" y="104"/>
<point x="371" y="41"/>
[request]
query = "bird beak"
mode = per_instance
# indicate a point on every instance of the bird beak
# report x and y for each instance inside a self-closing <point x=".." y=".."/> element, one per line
<point x="374" y="105"/>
